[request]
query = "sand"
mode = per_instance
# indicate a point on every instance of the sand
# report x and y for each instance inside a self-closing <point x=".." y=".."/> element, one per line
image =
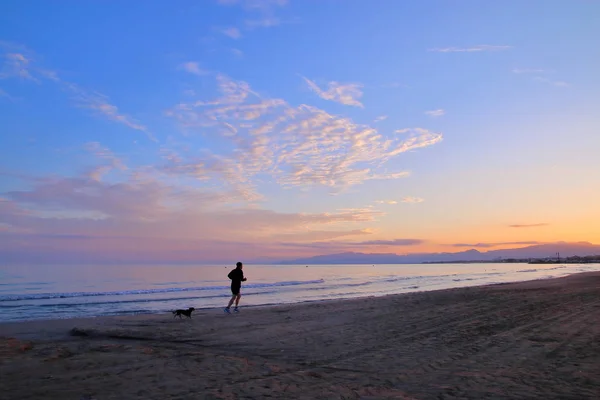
<point x="530" y="340"/>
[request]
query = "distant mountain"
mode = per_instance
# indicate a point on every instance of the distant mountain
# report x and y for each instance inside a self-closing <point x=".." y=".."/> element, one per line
<point x="537" y="251"/>
<point x="549" y="250"/>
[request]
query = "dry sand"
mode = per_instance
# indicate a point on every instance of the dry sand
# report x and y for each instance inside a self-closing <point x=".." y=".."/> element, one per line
<point x="528" y="340"/>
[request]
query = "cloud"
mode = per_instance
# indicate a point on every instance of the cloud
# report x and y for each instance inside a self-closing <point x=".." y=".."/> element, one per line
<point x="142" y="217"/>
<point x="17" y="65"/>
<point x="233" y="33"/>
<point x="101" y="106"/>
<point x="344" y="246"/>
<point x="412" y="200"/>
<point x="435" y="113"/>
<point x="321" y="235"/>
<point x="380" y="118"/>
<point x="110" y="161"/>
<point x="294" y="146"/>
<point x="393" y="242"/>
<point x="478" y="48"/>
<point x="193" y="67"/>
<point x="21" y="65"/>
<point x="528" y="225"/>
<point x="527" y="71"/>
<point x="552" y="82"/>
<point x="347" y="94"/>
<point x="541" y="79"/>
<point x="419" y="138"/>
<point x="4" y="94"/>
<point x="267" y="22"/>
<point x="143" y="195"/>
<point x="386" y="202"/>
<point x="489" y="245"/>
<point x="261" y="14"/>
<point x="237" y="53"/>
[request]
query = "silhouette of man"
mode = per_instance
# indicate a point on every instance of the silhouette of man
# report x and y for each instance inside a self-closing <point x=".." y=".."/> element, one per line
<point x="237" y="277"/>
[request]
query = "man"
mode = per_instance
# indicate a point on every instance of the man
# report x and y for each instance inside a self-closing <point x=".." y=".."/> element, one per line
<point x="237" y="277"/>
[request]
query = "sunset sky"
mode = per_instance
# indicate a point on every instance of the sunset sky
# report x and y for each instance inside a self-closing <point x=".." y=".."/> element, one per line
<point x="223" y="130"/>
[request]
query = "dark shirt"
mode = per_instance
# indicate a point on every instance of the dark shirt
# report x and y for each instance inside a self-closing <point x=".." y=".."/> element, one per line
<point x="236" y="276"/>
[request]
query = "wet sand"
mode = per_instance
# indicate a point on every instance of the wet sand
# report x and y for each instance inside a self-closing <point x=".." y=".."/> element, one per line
<point x="528" y="340"/>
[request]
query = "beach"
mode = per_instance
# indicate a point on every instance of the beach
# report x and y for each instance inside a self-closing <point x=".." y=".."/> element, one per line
<point x="535" y="339"/>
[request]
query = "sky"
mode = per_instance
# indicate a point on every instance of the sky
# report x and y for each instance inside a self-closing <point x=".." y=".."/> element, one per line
<point x="213" y="131"/>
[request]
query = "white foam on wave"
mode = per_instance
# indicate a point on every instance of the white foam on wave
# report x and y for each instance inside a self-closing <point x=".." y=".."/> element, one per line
<point x="44" y="296"/>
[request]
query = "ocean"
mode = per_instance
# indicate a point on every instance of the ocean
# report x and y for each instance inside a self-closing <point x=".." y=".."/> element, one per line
<point x="53" y="292"/>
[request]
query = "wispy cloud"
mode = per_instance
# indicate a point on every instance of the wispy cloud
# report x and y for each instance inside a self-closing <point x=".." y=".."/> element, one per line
<point x="419" y="138"/>
<point x="393" y="242"/>
<point x="498" y="244"/>
<point x="21" y="66"/>
<point x="436" y="113"/>
<point x="347" y="93"/>
<point x="141" y="216"/>
<point x="345" y="245"/>
<point x="408" y="200"/>
<point x="296" y="146"/>
<point x="5" y="95"/>
<point x="266" y="22"/>
<point x="110" y="161"/>
<point x="101" y="106"/>
<point x="232" y="32"/>
<point x="412" y="200"/>
<point x="193" y="67"/>
<point x="380" y="118"/>
<point x="472" y="49"/>
<point x="311" y="235"/>
<point x="237" y="52"/>
<point x="551" y="82"/>
<point x="99" y="103"/>
<point x="528" y="225"/>
<point x="17" y="65"/>
<point x="260" y="14"/>
<point x="538" y="78"/>
<point x="386" y="202"/>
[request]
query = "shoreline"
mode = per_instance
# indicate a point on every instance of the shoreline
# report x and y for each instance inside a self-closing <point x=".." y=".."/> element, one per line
<point x="284" y="303"/>
<point x="58" y="325"/>
<point x="200" y="310"/>
<point x="529" y="339"/>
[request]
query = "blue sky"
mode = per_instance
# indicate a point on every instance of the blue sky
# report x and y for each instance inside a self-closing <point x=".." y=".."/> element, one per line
<point x="282" y="128"/>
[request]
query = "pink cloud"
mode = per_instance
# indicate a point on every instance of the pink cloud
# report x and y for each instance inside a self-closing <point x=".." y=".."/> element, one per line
<point x="143" y="218"/>
<point x="299" y="146"/>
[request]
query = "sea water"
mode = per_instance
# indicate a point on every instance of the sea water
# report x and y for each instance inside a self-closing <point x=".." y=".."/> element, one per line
<point x="51" y="292"/>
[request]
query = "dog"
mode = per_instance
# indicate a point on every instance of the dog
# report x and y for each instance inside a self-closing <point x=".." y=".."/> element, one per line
<point x="187" y="313"/>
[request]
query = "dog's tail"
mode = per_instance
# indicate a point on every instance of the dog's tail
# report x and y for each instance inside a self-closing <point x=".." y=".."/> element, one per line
<point x="174" y="312"/>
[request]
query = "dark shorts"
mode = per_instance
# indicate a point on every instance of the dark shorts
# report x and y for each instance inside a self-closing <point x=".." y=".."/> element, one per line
<point x="235" y="289"/>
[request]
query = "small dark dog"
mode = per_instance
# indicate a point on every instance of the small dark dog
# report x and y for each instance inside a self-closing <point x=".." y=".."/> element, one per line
<point x="187" y="313"/>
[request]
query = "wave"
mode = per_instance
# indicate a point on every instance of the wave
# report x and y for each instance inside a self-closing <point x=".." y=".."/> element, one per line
<point x="542" y="269"/>
<point x="123" y="302"/>
<point x="46" y="296"/>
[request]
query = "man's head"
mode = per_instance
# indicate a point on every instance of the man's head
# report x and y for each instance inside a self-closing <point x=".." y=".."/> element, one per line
<point x="239" y="265"/>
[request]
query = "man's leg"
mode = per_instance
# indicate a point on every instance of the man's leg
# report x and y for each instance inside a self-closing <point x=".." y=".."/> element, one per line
<point x="237" y="299"/>
<point x="233" y="297"/>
